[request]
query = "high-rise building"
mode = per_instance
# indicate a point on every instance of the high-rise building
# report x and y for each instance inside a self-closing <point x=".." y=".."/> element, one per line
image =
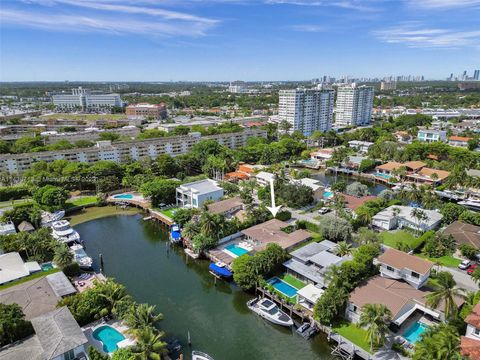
<point x="238" y="87"/>
<point x="354" y="105"/>
<point x="86" y="100"/>
<point x="388" y="85"/>
<point x="307" y="110"/>
<point x="476" y="75"/>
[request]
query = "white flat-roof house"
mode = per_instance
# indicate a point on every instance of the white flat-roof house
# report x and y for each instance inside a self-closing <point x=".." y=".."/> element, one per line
<point x="431" y="135"/>
<point x="194" y="194"/>
<point x="263" y="178"/>
<point x="395" y="264"/>
<point x="397" y="216"/>
<point x="360" y="146"/>
<point x="13" y="268"/>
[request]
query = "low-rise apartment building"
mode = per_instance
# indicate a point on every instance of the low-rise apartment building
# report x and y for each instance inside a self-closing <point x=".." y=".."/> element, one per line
<point x="89" y="134"/>
<point x="123" y="151"/>
<point x="156" y="111"/>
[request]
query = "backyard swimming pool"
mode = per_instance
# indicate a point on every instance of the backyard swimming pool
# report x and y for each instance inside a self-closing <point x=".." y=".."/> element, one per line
<point x="327" y="194"/>
<point x="47" y="266"/>
<point x="283" y="287"/>
<point x="123" y="196"/>
<point x="236" y="250"/>
<point x="414" y="332"/>
<point x="109" y="337"/>
<point x="383" y="176"/>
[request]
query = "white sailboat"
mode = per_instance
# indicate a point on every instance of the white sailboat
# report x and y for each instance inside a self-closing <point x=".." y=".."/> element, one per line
<point x="268" y="310"/>
<point x="198" y="355"/>
<point x="81" y="257"/>
<point x="63" y="232"/>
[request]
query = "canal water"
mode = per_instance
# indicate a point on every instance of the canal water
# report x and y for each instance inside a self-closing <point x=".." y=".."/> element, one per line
<point x="328" y="179"/>
<point x="137" y="254"/>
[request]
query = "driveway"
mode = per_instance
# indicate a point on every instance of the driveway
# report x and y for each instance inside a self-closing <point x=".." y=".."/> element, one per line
<point x="463" y="280"/>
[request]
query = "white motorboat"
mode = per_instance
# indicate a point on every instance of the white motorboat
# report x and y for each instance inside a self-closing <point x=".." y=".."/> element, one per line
<point x="198" y="355"/>
<point x="471" y="203"/>
<point x="48" y="218"/>
<point x="81" y="257"/>
<point x="268" y="310"/>
<point x="62" y="231"/>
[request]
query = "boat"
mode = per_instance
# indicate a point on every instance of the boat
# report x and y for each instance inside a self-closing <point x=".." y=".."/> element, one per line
<point x="63" y="232"/>
<point x="471" y="203"/>
<point x="198" y="355"/>
<point x="220" y="269"/>
<point x="81" y="257"/>
<point x="175" y="234"/>
<point x="47" y="218"/>
<point x="268" y="310"/>
<point x="306" y="330"/>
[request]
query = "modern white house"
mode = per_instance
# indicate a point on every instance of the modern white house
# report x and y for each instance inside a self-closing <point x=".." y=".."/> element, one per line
<point x="431" y="135"/>
<point x="397" y="216"/>
<point x="194" y="194"/>
<point x="308" y="296"/>
<point x="360" y="146"/>
<point x="395" y="264"/>
<point x="263" y="178"/>
<point x="13" y="268"/>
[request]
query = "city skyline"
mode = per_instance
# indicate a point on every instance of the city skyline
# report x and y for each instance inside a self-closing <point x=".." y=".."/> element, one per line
<point x="224" y="40"/>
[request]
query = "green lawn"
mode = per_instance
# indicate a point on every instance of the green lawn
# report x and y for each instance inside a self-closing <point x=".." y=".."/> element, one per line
<point x="95" y="212"/>
<point x="37" y="275"/>
<point x="355" y="334"/>
<point x="393" y="238"/>
<point x="6" y="204"/>
<point x="447" y="260"/>
<point x="289" y="279"/>
<point x="84" y="200"/>
<point x="169" y="212"/>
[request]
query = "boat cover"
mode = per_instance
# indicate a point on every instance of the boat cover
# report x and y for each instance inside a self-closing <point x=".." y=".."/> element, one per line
<point x="222" y="271"/>
<point x="175" y="234"/>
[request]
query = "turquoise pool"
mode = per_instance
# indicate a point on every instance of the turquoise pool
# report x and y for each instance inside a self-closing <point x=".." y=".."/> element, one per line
<point x="237" y="250"/>
<point x="383" y="176"/>
<point x="283" y="287"/>
<point x="46" y="266"/>
<point x="327" y="194"/>
<point x="123" y="196"/>
<point x="109" y="337"/>
<point x="414" y="332"/>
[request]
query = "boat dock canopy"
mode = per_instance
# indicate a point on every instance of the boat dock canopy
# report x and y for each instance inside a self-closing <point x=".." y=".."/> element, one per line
<point x="222" y="271"/>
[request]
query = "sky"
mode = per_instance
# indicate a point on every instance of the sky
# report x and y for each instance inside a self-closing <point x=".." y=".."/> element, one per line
<point x="225" y="40"/>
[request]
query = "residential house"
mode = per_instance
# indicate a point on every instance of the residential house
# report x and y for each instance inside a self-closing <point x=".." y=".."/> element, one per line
<point x="263" y="178"/>
<point x="310" y="263"/>
<point x="459" y="141"/>
<point x="322" y="155"/>
<point x="232" y="207"/>
<point x="353" y="162"/>
<point x="57" y="337"/>
<point x="464" y="233"/>
<point x="428" y="175"/>
<point x="388" y="168"/>
<point x="13" y="268"/>
<point x="470" y="343"/>
<point x="431" y="135"/>
<point x="395" y="264"/>
<point x="243" y="172"/>
<point x="397" y="216"/>
<point x="360" y="146"/>
<point x="194" y="194"/>
<point x="308" y="296"/>
<point x="403" y="137"/>
<point x="353" y="202"/>
<point x="414" y="170"/>
<point x="314" y="184"/>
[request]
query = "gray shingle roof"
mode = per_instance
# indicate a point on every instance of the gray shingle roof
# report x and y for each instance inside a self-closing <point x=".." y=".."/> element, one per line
<point x="60" y="284"/>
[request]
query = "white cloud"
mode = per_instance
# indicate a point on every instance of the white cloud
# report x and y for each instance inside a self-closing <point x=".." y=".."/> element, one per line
<point x="308" y="28"/>
<point x="345" y="4"/>
<point x="412" y="35"/>
<point x="445" y="4"/>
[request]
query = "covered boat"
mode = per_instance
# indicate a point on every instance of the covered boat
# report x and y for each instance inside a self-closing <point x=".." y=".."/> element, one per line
<point x="175" y="234"/>
<point x="220" y="269"/>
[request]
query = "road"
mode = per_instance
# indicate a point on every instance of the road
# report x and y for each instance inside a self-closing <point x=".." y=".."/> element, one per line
<point x="462" y="279"/>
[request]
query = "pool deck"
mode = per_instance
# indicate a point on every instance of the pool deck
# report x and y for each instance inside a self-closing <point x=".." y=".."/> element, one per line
<point x="98" y="345"/>
<point x="83" y="284"/>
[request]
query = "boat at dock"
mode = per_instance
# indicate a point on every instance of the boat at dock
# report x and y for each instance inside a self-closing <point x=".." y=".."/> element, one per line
<point x="63" y="232"/>
<point x="219" y="269"/>
<point x="306" y="330"/>
<point x="81" y="257"/>
<point x="198" y="355"/>
<point x="47" y="218"/>
<point x="269" y="310"/>
<point x="175" y="234"/>
<point x="471" y="203"/>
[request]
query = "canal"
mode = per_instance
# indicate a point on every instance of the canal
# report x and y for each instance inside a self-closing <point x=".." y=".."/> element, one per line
<point x="330" y="178"/>
<point x="137" y="254"/>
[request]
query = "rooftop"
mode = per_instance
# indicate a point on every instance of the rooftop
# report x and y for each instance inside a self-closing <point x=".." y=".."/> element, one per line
<point x="405" y="212"/>
<point x="12" y="267"/>
<point x="202" y="186"/>
<point x="470" y="347"/>
<point x="224" y="206"/>
<point x="414" y="165"/>
<point x="389" y="166"/>
<point x="464" y="233"/>
<point x="353" y="202"/>
<point x="459" y="138"/>
<point x="474" y="317"/>
<point x="60" y="284"/>
<point x="401" y="260"/>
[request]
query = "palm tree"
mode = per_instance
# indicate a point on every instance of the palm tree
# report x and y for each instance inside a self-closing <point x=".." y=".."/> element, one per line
<point x="476" y="275"/>
<point x="419" y="215"/>
<point x="113" y="294"/>
<point x="142" y="316"/>
<point x="190" y="230"/>
<point x="343" y="248"/>
<point x="208" y="224"/>
<point x="285" y="126"/>
<point x="445" y="293"/>
<point x="149" y="345"/>
<point x="375" y="317"/>
<point x="63" y="256"/>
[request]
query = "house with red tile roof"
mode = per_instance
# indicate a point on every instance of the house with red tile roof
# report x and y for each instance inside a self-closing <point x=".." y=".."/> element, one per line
<point x="459" y="141"/>
<point x="470" y="343"/>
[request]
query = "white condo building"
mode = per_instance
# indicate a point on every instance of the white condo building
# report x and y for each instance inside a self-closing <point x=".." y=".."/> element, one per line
<point x="84" y="99"/>
<point x="307" y="110"/>
<point x="354" y="105"/>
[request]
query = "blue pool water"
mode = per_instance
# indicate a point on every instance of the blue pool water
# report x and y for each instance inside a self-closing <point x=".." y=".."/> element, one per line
<point x="327" y="194"/>
<point x="283" y="287"/>
<point x="109" y="337"/>
<point x="414" y="332"/>
<point x="46" y="266"/>
<point x="123" y="196"/>
<point x="383" y="176"/>
<point x="237" y="250"/>
<point x="309" y="162"/>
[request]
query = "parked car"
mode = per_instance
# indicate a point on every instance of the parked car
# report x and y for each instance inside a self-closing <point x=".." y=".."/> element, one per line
<point x="324" y="210"/>
<point x="465" y="264"/>
<point x="471" y="269"/>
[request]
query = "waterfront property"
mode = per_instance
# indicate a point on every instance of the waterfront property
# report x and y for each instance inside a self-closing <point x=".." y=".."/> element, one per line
<point x="415" y="171"/>
<point x="12" y="267"/>
<point x="232" y="207"/>
<point x="470" y="343"/>
<point x="57" y="337"/>
<point x="194" y="194"/>
<point x="396" y="264"/>
<point x="353" y="202"/>
<point x="308" y="296"/>
<point x="397" y="216"/>
<point x="107" y="337"/>
<point x="317" y="187"/>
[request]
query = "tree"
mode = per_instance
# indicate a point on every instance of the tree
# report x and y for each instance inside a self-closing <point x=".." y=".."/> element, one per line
<point x="183" y="215"/>
<point x="166" y="166"/>
<point x="245" y="273"/>
<point x="469" y="251"/>
<point x="149" y="345"/>
<point x="335" y="229"/>
<point x="357" y="189"/>
<point x="94" y="354"/>
<point x="343" y="248"/>
<point x="160" y="191"/>
<point x="451" y="212"/>
<point x="440" y="342"/>
<point x="420" y="216"/>
<point x="439" y="245"/>
<point x="52" y="196"/>
<point x="285" y="126"/>
<point x="476" y="275"/>
<point x="367" y="236"/>
<point x="203" y="242"/>
<point x="63" y="256"/>
<point x="445" y="293"/>
<point x="122" y="354"/>
<point x="13" y="325"/>
<point x="376" y="318"/>
<point x="113" y="294"/>
<point x="142" y="316"/>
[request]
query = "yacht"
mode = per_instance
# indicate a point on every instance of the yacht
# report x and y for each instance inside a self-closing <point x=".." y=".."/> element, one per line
<point x="62" y="231"/>
<point x="47" y="218"/>
<point x="471" y="203"/>
<point x="268" y="310"/>
<point x="198" y="355"/>
<point x="81" y="257"/>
